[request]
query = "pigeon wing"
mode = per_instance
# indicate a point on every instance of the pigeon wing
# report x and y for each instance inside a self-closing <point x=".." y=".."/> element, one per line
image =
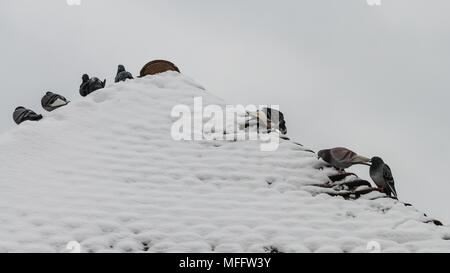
<point x="342" y="154"/>
<point x="387" y="175"/>
<point x="262" y="118"/>
<point x="58" y="102"/>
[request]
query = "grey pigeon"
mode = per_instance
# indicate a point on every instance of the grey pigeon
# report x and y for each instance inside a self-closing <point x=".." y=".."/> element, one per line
<point x="122" y="74"/>
<point x="342" y="158"/>
<point x="276" y="118"/>
<point x="22" y="114"/>
<point x="90" y="85"/>
<point x="268" y="118"/>
<point x="51" y="101"/>
<point x="382" y="176"/>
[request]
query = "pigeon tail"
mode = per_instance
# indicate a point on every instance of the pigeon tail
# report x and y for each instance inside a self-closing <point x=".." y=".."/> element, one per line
<point x="392" y="190"/>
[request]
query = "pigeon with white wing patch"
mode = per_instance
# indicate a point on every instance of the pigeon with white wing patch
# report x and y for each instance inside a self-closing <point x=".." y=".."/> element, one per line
<point x="51" y="101"/>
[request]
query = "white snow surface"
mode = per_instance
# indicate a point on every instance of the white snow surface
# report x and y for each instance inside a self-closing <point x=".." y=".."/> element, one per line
<point x="105" y="171"/>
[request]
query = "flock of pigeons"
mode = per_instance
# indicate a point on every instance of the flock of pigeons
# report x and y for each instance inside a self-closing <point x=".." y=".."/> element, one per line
<point x="339" y="158"/>
<point x="343" y="158"/>
<point x="52" y="101"/>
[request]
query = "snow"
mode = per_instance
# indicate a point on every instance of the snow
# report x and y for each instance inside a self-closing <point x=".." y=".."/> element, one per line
<point x="104" y="171"/>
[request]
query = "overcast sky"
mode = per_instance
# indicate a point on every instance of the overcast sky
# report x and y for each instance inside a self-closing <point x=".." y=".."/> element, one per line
<point x="374" y="79"/>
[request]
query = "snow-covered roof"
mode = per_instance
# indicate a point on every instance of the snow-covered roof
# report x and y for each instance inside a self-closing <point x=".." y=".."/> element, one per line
<point x="105" y="171"/>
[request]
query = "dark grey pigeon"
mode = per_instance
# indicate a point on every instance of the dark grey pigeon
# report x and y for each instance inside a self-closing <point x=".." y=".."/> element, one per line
<point x="22" y="114"/>
<point x="268" y="118"/>
<point x="382" y="176"/>
<point x="276" y="119"/>
<point x="123" y="75"/>
<point x="51" y="101"/>
<point x="342" y="158"/>
<point x="90" y="85"/>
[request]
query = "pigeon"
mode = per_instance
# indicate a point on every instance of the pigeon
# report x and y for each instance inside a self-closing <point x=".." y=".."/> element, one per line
<point x="90" y="85"/>
<point x="382" y="176"/>
<point x="22" y="114"/>
<point x="276" y="119"/>
<point x="269" y="118"/>
<point x="51" y="101"/>
<point x="122" y="74"/>
<point x="342" y="158"/>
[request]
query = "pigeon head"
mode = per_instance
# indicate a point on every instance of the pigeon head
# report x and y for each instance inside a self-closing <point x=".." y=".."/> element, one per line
<point x="48" y="93"/>
<point x="324" y="154"/>
<point x="85" y="77"/>
<point x="121" y="68"/>
<point x="20" y="107"/>
<point x="376" y="161"/>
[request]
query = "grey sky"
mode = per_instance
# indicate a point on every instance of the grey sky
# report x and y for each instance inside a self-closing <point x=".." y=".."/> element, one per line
<point x="374" y="79"/>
